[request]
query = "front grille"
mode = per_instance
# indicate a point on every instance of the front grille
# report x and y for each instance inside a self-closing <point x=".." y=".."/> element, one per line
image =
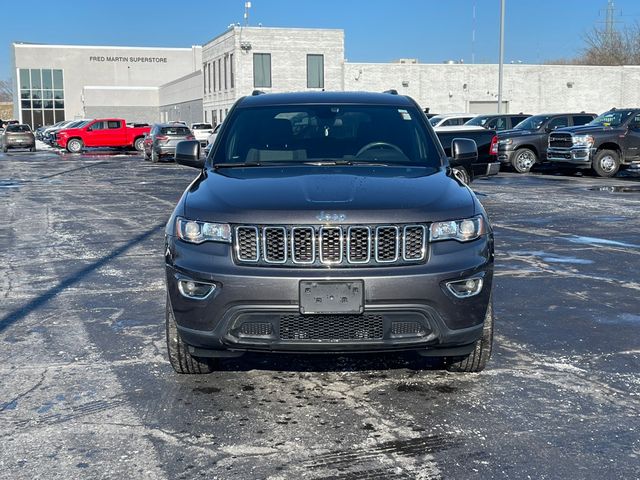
<point x="560" y="140"/>
<point x="331" y="327"/>
<point x="308" y="245"/>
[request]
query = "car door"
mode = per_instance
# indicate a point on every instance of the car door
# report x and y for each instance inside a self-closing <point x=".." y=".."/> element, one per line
<point x="631" y="143"/>
<point x="94" y="134"/>
<point x="116" y="134"/>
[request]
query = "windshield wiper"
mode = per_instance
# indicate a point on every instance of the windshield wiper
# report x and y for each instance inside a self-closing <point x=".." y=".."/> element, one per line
<point x="236" y="164"/>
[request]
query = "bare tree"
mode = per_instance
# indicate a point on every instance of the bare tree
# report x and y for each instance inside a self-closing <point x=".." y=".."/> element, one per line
<point x="606" y="47"/>
<point x="6" y="91"/>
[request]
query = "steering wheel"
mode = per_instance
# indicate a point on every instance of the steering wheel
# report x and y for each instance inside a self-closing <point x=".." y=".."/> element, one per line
<point x="372" y="145"/>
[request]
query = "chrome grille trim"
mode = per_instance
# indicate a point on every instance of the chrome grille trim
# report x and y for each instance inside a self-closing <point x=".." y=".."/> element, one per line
<point x="331" y="246"/>
<point x="349" y="257"/>
<point x="237" y="243"/>
<point x="322" y="238"/>
<point x="294" y="249"/>
<point x="423" y="250"/>
<point x="377" y="244"/>
<point x="265" y="250"/>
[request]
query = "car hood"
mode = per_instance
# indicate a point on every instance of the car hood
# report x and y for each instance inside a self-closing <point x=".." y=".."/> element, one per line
<point x="583" y="129"/>
<point x="312" y="195"/>
<point x="516" y="133"/>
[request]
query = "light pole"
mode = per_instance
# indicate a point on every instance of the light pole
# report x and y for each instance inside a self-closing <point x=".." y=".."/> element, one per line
<point x="501" y="60"/>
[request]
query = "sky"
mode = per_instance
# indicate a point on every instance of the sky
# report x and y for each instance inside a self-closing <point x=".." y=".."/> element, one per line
<point x="375" y="30"/>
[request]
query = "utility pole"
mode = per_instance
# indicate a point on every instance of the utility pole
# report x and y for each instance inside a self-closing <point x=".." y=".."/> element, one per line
<point x="501" y="60"/>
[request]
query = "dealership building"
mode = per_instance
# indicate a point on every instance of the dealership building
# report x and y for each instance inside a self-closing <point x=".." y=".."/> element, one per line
<point x="55" y="82"/>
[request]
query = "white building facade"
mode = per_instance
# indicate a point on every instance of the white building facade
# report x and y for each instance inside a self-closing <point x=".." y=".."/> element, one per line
<point x="197" y="84"/>
<point x="58" y="82"/>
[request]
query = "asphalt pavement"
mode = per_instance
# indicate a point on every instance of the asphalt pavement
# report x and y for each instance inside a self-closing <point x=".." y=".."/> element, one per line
<point x="86" y="389"/>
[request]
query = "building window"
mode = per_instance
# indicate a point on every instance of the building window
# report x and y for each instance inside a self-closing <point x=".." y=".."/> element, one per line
<point x="214" y="75"/>
<point x="262" y="70"/>
<point x="209" y="75"/>
<point x="214" y="117"/>
<point x="204" y="84"/>
<point x="315" y="71"/>
<point x="226" y="61"/>
<point x="41" y="96"/>
<point x="205" y="116"/>
<point x="231" y="70"/>
<point x="219" y="74"/>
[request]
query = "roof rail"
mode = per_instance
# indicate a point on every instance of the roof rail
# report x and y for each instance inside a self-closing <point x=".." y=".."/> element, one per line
<point x="257" y="92"/>
<point x="391" y="91"/>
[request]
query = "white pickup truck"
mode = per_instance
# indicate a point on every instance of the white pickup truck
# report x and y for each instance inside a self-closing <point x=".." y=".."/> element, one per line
<point x="202" y="131"/>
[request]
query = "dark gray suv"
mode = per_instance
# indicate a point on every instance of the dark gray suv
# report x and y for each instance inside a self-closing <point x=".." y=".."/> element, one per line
<point x="160" y="142"/>
<point x="327" y="222"/>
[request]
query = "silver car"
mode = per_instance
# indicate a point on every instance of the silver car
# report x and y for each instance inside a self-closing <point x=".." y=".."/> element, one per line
<point x="161" y="141"/>
<point x="18" y="136"/>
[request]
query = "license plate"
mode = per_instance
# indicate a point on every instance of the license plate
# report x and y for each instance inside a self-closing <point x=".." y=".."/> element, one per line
<point x="323" y="297"/>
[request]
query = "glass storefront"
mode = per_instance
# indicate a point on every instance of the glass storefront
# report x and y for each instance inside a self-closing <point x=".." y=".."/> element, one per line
<point x="41" y="96"/>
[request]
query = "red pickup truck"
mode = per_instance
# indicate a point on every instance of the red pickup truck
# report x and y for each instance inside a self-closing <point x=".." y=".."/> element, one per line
<point x="102" y="132"/>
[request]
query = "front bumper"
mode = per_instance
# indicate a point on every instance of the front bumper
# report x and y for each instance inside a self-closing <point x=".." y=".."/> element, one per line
<point x="577" y="156"/>
<point x="257" y="308"/>
<point x="504" y="155"/>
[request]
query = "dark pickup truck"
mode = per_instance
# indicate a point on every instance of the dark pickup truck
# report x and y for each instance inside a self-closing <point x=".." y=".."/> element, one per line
<point x="485" y="164"/>
<point x="526" y="145"/>
<point x="607" y="144"/>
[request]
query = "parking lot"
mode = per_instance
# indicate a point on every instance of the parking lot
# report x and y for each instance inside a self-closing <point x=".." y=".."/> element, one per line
<point x="87" y="390"/>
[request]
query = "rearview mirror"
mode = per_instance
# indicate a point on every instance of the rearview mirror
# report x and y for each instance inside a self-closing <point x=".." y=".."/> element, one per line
<point x="188" y="154"/>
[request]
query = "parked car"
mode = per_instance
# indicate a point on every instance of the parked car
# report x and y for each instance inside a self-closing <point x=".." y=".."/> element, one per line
<point x="486" y="162"/>
<point x="49" y="134"/>
<point x="606" y="144"/>
<point x="202" y="131"/>
<point x="526" y="144"/>
<point x="450" y="119"/>
<point x="18" y="135"/>
<point x="162" y="139"/>
<point x="498" y="121"/>
<point x="211" y="139"/>
<point x="327" y="222"/>
<point x="103" y="132"/>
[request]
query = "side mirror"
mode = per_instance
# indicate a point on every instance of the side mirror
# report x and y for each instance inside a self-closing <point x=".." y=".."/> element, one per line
<point x="464" y="150"/>
<point x="188" y="154"/>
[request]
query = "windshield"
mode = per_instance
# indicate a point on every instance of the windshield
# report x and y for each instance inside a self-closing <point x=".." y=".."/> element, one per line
<point x="435" y="120"/>
<point x="324" y="134"/>
<point x="479" y="121"/>
<point x="201" y="126"/>
<point x="532" y="123"/>
<point x="614" y="118"/>
<point x="177" y="130"/>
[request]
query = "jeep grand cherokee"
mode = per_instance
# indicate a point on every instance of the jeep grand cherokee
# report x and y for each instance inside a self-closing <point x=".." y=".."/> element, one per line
<point x="327" y="222"/>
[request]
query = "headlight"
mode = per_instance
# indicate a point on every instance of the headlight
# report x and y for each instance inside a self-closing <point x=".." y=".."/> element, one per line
<point x="462" y="230"/>
<point x="506" y="141"/>
<point x="583" y="140"/>
<point x="193" y="231"/>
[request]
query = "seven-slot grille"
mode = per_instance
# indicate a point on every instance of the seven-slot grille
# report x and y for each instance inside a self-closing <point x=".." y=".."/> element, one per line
<point x="560" y="140"/>
<point x="330" y="245"/>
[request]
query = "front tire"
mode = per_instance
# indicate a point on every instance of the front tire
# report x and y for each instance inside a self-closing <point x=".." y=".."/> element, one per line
<point x="477" y="360"/>
<point x="179" y="357"/>
<point x="523" y="160"/>
<point x="606" y="163"/>
<point x="75" y="145"/>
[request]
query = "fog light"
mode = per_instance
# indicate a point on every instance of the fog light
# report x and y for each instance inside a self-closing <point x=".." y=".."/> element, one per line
<point x="465" y="288"/>
<point x="197" y="290"/>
